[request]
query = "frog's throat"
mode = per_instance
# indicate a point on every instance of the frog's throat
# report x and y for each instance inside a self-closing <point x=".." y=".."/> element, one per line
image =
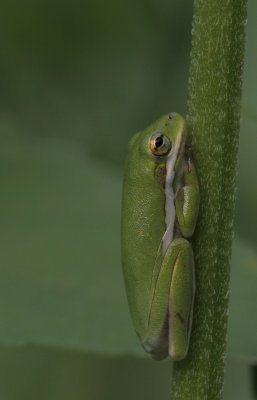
<point x="170" y="211"/>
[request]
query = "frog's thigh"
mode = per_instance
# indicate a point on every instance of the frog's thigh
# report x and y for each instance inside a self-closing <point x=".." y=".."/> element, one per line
<point x="156" y="339"/>
<point x="181" y="299"/>
<point x="179" y="260"/>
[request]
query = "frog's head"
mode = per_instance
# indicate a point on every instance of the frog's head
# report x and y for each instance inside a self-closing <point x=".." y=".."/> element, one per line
<point x="168" y="137"/>
<point x="160" y="146"/>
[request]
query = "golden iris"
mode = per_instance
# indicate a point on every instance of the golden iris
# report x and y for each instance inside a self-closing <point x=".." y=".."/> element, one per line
<point x="160" y="144"/>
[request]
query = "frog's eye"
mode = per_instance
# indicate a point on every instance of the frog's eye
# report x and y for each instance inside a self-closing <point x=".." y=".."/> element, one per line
<point x="160" y="144"/>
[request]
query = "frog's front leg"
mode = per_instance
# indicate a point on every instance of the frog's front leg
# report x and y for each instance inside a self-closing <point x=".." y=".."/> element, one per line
<point x="170" y="317"/>
<point x="188" y="198"/>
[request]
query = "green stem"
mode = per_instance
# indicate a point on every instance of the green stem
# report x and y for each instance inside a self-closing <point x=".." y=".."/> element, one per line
<point x="213" y="117"/>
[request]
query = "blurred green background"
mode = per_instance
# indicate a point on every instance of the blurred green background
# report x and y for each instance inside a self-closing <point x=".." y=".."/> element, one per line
<point x="77" y="79"/>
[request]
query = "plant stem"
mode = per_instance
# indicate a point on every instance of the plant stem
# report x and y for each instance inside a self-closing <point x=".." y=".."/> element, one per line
<point x="213" y="117"/>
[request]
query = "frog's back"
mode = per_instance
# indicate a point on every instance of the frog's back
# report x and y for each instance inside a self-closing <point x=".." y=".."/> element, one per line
<point x="143" y="226"/>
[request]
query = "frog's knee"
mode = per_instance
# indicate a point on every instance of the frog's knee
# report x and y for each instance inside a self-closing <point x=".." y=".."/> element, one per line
<point x="181" y="242"/>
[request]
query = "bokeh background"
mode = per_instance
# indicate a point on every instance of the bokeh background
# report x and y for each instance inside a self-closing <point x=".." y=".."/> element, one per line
<point x="77" y="79"/>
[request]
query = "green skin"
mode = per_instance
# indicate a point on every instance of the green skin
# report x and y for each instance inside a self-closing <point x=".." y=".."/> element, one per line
<point x="158" y="269"/>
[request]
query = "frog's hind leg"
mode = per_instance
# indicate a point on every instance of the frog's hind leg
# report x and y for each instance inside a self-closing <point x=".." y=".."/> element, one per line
<point x="173" y="293"/>
<point x="181" y="300"/>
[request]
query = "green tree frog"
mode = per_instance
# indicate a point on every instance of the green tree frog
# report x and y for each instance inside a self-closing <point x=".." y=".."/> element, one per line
<point x="159" y="212"/>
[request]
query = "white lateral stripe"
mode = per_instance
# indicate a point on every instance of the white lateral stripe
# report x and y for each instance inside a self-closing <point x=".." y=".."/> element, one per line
<point x="170" y="212"/>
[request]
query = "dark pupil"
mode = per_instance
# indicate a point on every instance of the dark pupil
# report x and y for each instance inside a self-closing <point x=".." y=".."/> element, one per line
<point x="159" y="141"/>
